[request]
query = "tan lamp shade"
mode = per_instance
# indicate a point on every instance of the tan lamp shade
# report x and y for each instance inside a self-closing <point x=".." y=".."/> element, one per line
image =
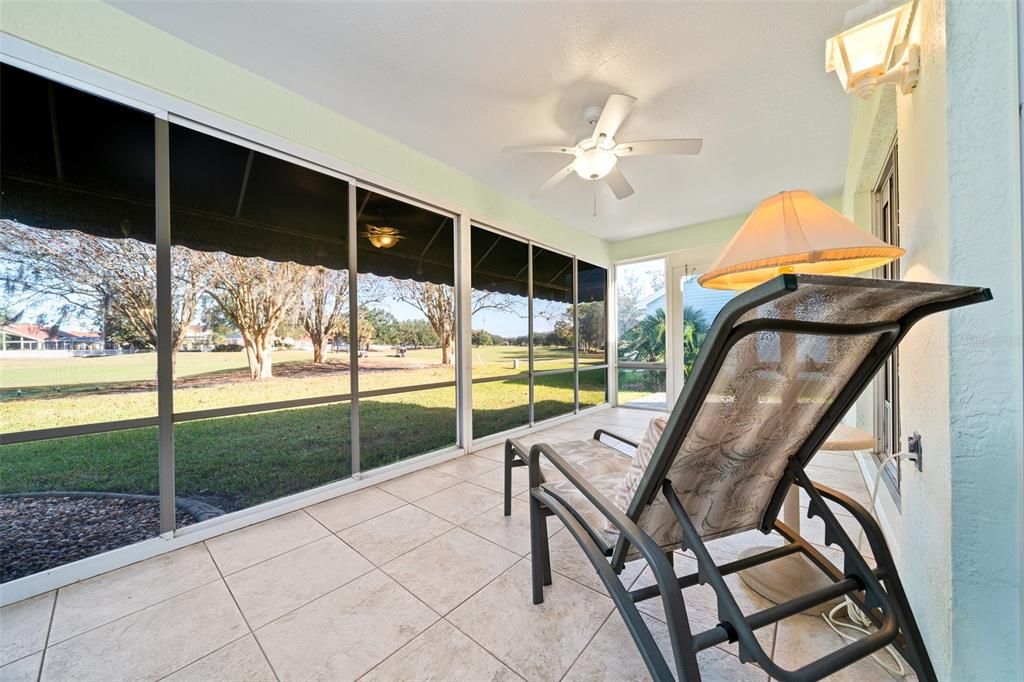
<point x="795" y="232"/>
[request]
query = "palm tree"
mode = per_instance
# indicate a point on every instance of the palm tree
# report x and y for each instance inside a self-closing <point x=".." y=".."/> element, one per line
<point x="645" y="341"/>
<point x="695" y="330"/>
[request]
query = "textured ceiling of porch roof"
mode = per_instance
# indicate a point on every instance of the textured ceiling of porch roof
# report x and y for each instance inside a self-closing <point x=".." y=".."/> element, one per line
<point x="460" y="80"/>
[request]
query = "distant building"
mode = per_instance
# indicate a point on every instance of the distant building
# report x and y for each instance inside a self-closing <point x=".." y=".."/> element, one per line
<point x="22" y="336"/>
<point x="695" y="297"/>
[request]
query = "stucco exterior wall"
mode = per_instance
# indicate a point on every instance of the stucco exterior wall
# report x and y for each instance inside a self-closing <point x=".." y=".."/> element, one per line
<point x="985" y="347"/>
<point x="960" y="373"/>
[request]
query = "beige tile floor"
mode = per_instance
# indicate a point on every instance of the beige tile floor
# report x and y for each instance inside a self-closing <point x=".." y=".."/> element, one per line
<point x="414" y="579"/>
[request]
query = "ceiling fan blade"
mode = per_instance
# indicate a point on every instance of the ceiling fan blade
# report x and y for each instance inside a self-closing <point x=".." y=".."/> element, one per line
<point x="682" y="146"/>
<point x="612" y="115"/>
<point x="540" y="148"/>
<point x="553" y="180"/>
<point x="618" y="183"/>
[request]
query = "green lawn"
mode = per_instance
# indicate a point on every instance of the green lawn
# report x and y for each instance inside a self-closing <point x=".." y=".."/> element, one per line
<point x="75" y="391"/>
<point x="235" y="462"/>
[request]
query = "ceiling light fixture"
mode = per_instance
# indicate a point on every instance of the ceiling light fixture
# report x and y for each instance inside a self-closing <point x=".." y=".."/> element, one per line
<point x="874" y="49"/>
<point x="594" y="164"/>
<point x="382" y="237"/>
<point x="596" y="156"/>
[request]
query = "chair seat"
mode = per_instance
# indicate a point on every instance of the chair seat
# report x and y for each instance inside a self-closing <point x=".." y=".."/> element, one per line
<point x="601" y="465"/>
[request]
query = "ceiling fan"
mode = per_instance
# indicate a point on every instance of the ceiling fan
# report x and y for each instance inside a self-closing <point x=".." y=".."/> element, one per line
<point x="597" y="156"/>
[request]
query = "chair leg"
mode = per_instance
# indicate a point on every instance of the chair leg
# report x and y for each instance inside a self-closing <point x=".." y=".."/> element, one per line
<point x="913" y="644"/>
<point x="540" y="560"/>
<point x="918" y="654"/>
<point x="508" y="479"/>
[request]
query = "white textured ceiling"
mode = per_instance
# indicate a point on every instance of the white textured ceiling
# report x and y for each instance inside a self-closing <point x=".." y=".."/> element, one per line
<point x="460" y="80"/>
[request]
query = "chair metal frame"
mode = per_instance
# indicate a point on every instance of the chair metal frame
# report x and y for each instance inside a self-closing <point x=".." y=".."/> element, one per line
<point x="878" y="592"/>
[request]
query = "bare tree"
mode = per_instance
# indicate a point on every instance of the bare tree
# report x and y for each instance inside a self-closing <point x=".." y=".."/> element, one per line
<point x="255" y="295"/>
<point x="101" y="276"/>
<point x="324" y="307"/>
<point x="437" y="303"/>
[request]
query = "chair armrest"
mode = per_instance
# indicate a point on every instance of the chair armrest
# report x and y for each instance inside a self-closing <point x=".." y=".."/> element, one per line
<point x="661" y="568"/>
<point x="514" y="447"/>
<point x="626" y="441"/>
<point x="644" y="543"/>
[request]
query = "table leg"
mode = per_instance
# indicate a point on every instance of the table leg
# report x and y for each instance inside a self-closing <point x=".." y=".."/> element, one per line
<point x="791" y="576"/>
<point x="791" y="509"/>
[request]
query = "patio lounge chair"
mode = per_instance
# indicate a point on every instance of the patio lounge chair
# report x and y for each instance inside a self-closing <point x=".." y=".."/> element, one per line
<point x="750" y="417"/>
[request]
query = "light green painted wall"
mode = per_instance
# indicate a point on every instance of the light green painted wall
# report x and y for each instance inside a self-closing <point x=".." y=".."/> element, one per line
<point x="699" y="235"/>
<point x="960" y="373"/>
<point x="102" y="36"/>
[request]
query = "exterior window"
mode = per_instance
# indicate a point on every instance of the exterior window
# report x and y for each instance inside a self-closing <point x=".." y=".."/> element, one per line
<point x="592" y="333"/>
<point x="77" y="314"/>
<point x="313" y="326"/>
<point x="259" y="284"/>
<point x="406" y="329"/>
<point x="886" y="227"/>
<point x="501" y="328"/>
<point x="554" y="335"/>
<point x="640" y="298"/>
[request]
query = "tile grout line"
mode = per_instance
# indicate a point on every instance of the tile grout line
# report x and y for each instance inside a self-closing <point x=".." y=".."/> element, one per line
<point x="485" y="488"/>
<point x="205" y="656"/>
<point x="46" y="640"/>
<point x="369" y="518"/>
<point x="497" y="465"/>
<point x="429" y="468"/>
<point x="470" y="637"/>
<point x="475" y="592"/>
<point x="273" y="556"/>
<point x="410" y="504"/>
<point x="589" y="642"/>
<point x="406" y="643"/>
<point x="242" y="614"/>
<point x="132" y="613"/>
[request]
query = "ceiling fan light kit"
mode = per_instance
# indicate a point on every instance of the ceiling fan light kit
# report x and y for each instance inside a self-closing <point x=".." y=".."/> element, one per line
<point x="595" y="163"/>
<point x="596" y="157"/>
<point x="382" y="237"/>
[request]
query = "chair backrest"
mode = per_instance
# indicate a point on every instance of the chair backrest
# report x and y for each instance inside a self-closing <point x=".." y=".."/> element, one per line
<point x="779" y="368"/>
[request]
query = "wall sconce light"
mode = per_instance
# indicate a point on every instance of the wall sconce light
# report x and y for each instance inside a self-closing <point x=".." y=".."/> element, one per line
<point x="382" y="237"/>
<point x="874" y="49"/>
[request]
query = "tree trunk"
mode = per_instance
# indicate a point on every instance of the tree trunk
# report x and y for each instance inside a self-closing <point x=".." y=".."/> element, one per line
<point x="319" y="349"/>
<point x="265" y="356"/>
<point x="446" y="356"/>
<point x="174" y="364"/>
<point x="251" y="357"/>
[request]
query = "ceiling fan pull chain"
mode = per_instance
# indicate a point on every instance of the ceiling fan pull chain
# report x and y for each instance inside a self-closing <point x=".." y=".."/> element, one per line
<point x="595" y="199"/>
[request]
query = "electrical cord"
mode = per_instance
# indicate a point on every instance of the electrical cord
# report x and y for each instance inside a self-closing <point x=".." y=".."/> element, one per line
<point x="859" y="620"/>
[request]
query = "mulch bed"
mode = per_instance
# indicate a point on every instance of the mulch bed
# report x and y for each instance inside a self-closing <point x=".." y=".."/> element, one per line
<point x="38" y="533"/>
